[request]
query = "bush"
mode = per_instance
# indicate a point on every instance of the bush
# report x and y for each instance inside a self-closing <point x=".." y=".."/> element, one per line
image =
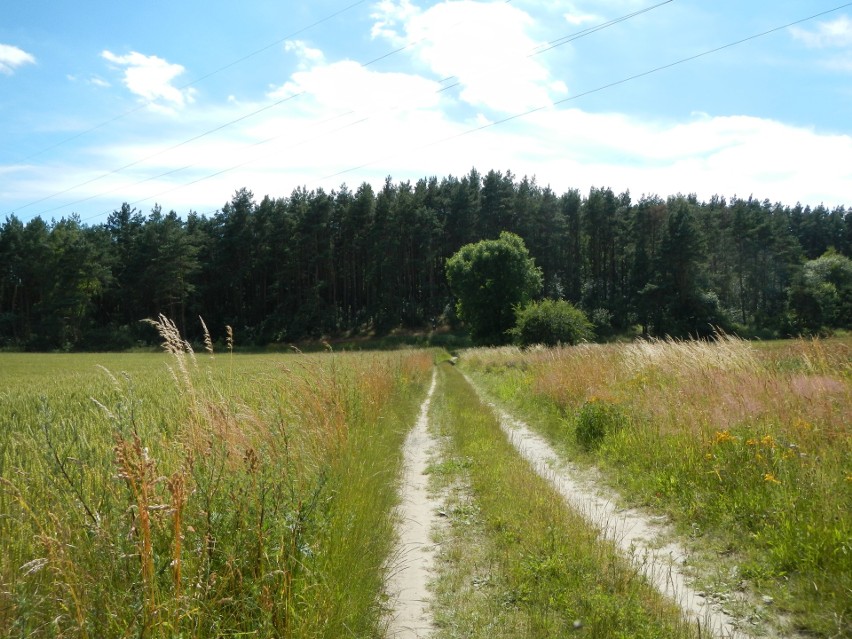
<point x="551" y="322"/>
<point x="595" y="419"/>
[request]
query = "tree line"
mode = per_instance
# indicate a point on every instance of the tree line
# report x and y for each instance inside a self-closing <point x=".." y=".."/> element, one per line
<point x="326" y="263"/>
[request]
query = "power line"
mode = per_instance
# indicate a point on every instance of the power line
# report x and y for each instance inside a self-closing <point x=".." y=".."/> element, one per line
<point x="550" y="45"/>
<point x="591" y="91"/>
<point x="194" y="82"/>
<point x="590" y="30"/>
<point x="218" y="128"/>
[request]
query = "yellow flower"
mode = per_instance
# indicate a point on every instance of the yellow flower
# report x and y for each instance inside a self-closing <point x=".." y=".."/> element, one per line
<point x="723" y="436"/>
<point x="768" y="441"/>
<point x="802" y="424"/>
<point x="751" y="442"/>
<point x="769" y="477"/>
<point x="848" y="476"/>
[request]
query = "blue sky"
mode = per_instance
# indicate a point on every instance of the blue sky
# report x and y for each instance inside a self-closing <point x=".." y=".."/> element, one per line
<point x="182" y="103"/>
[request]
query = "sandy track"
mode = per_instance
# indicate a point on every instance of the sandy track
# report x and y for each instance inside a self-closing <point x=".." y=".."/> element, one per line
<point x="407" y="586"/>
<point x="635" y="533"/>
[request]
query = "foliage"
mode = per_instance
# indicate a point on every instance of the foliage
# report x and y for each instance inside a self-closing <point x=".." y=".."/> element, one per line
<point x="821" y="298"/>
<point x="596" y="419"/>
<point x="550" y="322"/>
<point x="489" y="279"/>
<point x="317" y="264"/>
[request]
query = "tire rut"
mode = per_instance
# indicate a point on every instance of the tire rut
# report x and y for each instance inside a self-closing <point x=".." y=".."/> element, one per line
<point x="407" y="587"/>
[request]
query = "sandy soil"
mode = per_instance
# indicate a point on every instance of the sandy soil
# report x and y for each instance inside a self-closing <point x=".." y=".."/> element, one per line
<point x="412" y="569"/>
<point x="637" y="534"/>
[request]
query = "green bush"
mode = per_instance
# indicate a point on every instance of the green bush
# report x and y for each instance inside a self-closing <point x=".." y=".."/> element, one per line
<point x="551" y="322"/>
<point x="595" y="419"/>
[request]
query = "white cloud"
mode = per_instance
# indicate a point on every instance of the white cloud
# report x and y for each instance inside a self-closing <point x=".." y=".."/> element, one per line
<point x="707" y="155"/>
<point x="150" y="77"/>
<point x="12" y="57"/>
<point x="831" y="34"/>
<point x="307" y="55"/>
<point x="388" y="14"/>
<point x="576" y="16"/>
<point x="347" y="85"/>
<point x="577" y="19"/>
<point x="485" y="46"/>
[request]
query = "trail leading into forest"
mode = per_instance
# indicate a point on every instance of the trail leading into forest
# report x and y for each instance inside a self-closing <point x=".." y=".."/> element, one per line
<point x="407" y="586"/>
<point x="635" y="533"/>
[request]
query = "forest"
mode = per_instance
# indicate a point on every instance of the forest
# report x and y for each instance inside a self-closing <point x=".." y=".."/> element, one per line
<point x="347" y="262"/>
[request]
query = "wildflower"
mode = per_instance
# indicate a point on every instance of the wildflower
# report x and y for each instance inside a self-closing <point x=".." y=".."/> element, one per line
<point x="751" y="442"/>
<point x="848" y="476"/>
<point x="723" y="436"/>
<point x="768" y="441"/>
<point x="802" y="424"/>
<point x="770" y="478"/>
<point x="708" y="456"/>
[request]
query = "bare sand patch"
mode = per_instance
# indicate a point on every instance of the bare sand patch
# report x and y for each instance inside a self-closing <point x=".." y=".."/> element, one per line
<point x="407" y="586"/>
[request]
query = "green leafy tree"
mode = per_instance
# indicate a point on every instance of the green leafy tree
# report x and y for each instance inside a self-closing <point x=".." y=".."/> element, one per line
<point x="822" y="297"/>
<point x="490" y="279"/>
<point x="551" y="322"/>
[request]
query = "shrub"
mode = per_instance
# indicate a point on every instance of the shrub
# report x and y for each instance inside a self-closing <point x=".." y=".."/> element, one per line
<point x="551" y="322"/>
<point x="595" y="419"/>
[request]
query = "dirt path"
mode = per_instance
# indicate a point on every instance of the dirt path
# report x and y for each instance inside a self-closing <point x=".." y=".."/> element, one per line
<point x="638" y="535"/>
<point x="407" y="586"/>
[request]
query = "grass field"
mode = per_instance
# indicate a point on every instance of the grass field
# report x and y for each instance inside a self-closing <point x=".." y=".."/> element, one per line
<point x="183" y="495"/>
<point x="193" y="495"/>
<point x="747" y="446"/>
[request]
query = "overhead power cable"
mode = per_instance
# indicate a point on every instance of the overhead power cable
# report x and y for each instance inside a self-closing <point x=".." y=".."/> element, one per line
<point x="448" y="82"/>
<point x="590" y="30"/>
<point x="218" y="128"/>
<point x="192" y="83"/>
<point x="591" y="91"/>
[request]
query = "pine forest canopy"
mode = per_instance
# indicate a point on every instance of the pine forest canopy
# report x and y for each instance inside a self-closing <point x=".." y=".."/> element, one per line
<point x="318" y="263"/>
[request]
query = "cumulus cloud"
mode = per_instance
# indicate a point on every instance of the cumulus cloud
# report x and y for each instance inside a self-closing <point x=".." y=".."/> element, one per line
<point x="484" y="46"/>
<point x="390" y="17"/>
<point x="577" y="17"/>
<point x="151" y="77"/>
<point x="307" y="55"/>
<point x="347" y="85"/>
<point x="706" y="155"/>
<point x="830" y="34"/>
<point x="12" y="57"/>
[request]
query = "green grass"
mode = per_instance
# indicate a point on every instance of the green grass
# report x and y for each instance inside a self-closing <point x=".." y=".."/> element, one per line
<point x="515" y="561"/>
<point x="746" y="446"/>
<point x="241" y="495"/>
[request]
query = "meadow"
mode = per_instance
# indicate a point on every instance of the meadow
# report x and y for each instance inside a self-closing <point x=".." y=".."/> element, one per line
<point x="200" y="495"/>
<point x="746" y="446"/>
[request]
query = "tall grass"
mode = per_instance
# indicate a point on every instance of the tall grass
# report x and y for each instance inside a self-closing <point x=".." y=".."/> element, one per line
<point x="196" y="496"/>
<point x="746" y="445"/>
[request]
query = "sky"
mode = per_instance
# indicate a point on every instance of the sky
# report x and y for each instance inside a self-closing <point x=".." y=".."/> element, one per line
<point x="180" y="104"/>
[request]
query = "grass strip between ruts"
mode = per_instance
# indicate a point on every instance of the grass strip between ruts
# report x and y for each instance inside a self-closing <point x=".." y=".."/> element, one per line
<point x="515" y="560"/>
